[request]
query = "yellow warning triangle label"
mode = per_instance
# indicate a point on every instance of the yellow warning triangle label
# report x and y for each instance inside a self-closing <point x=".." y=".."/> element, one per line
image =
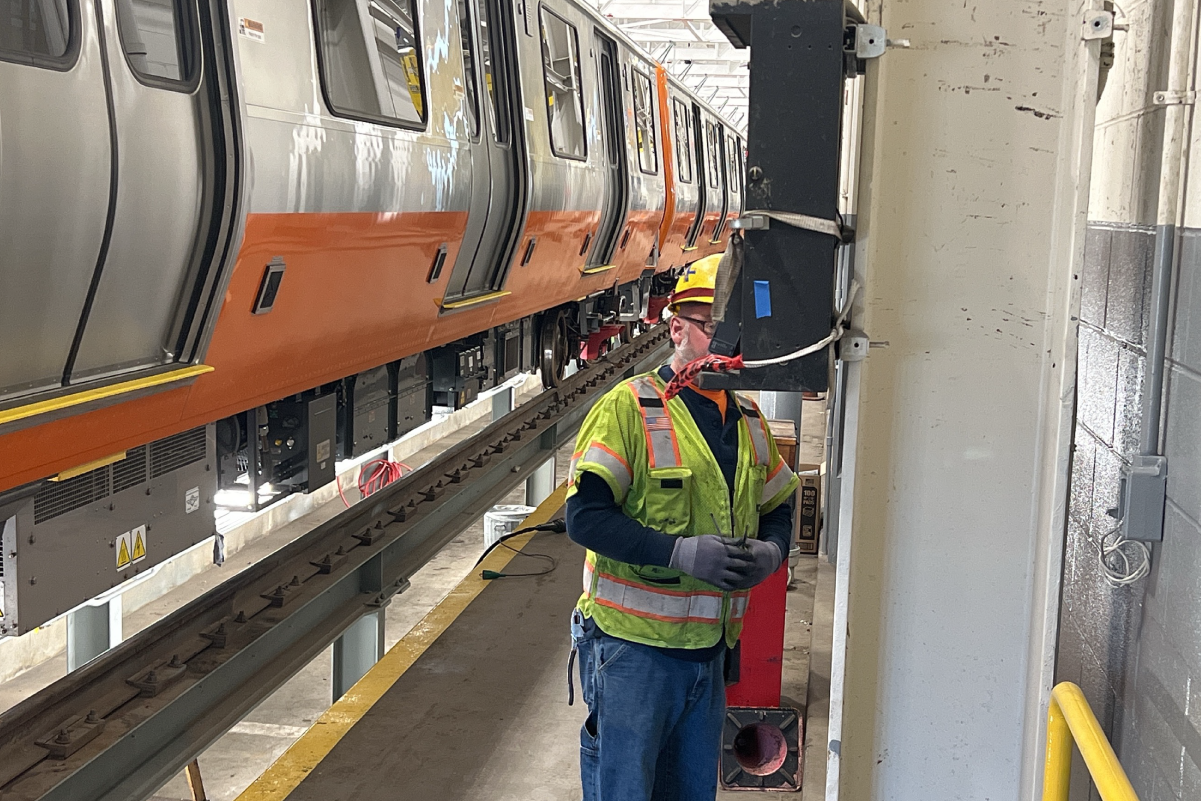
<point x="139" y="545"/>
<point x="123" y="559"/>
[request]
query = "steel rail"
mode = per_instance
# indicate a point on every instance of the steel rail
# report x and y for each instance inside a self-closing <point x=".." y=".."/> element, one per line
<point x="123" y="725"/>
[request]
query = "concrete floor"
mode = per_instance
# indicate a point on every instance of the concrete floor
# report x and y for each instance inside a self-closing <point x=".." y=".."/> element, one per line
<point x="234" y="761"/>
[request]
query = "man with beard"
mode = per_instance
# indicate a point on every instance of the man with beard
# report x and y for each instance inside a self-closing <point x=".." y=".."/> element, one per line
<point x="683" y="504"/>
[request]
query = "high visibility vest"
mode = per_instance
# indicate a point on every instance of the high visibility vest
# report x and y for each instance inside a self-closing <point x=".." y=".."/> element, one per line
<point x="655" y="460"/>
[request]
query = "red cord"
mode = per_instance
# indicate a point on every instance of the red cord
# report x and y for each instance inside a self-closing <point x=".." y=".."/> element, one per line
<point x="710" y="361"/>
<point x="381" y="475"/>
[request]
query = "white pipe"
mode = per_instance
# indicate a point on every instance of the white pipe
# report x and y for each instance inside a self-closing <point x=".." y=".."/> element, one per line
<point x="1177" y="115"/>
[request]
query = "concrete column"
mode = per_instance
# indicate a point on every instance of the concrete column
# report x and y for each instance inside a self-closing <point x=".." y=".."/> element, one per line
<point x="356" y="651"/>
<point x="541" y="484"/>
<point x="91" y="630"/>
<point x="958" y="437"/>
<point x="502" y="403"/>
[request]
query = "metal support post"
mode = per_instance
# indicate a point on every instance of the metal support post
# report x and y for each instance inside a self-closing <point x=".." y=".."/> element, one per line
<point x="91" y="630"/>
<point x="356" y="651"/>
<point x="541" y="484"/>
<point x="502" y="403"/>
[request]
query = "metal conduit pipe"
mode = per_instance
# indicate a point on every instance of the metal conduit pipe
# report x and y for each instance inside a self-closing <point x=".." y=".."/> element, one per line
<point x="1145" y="480"/>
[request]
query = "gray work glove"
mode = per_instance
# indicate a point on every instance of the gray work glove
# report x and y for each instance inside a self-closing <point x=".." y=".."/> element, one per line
<point x="766" y="559"/>
<point x="713" y="559"/>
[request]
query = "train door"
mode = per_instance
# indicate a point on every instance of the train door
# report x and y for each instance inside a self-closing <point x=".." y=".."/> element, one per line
<point x="55" y="181"/>
<point x="705" y="194"/>
<point x="481" y="140"/>
<point x="717" y="154"/>
<point x="736" y="180"/>
<point x="167" y="214"/>
<point x="617" y="178"/>
<point x="496" y="216"/>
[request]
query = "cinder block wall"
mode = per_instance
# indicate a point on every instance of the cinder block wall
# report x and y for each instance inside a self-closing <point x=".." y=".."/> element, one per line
<point x="1136" y="651"/>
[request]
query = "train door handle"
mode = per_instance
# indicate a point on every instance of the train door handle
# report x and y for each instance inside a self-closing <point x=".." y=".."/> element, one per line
<point x="625" y="239"/>
<point x="439" y="261"/>
<point x="529" y="251"/>
<point x="587" y="241"/>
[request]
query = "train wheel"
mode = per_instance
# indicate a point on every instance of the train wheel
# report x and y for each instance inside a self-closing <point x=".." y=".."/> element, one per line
<point x="552" y="348"/>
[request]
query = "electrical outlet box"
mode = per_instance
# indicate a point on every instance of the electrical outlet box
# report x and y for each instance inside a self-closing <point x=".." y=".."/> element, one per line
<point x="1143" y="494"/>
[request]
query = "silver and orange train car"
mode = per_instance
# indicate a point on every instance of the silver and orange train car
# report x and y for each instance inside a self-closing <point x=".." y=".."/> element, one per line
<point x="242" y="238"/>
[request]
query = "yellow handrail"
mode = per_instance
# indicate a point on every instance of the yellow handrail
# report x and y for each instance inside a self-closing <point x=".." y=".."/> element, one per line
<point x="1071" y="720"/>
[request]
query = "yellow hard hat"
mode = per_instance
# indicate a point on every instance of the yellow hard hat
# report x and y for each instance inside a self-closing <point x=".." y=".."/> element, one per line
<point x="696" y="284"/>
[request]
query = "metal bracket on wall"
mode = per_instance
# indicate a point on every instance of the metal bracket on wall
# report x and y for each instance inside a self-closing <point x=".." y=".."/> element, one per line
<point x="853" y="345"/>
<point x="1170" y="97"/>
<point x="860" y="42"/>
<point x="869" y="41"/>
<point x="1098" y="24"/>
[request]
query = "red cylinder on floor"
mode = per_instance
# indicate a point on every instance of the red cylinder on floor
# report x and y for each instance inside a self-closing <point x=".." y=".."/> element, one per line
<point x="762" y="644"/>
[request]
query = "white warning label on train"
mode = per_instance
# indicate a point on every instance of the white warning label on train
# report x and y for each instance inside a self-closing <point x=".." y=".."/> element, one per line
<point x="191" y="500"/>
<point x="252" y="29"/>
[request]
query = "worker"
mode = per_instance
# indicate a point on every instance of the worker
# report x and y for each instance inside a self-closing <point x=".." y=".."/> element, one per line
<point x="683" y="505"/>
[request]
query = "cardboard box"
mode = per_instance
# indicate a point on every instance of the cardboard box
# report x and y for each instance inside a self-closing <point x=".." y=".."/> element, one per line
<point x="808" y="507"/>
<point x="784" y="433"/>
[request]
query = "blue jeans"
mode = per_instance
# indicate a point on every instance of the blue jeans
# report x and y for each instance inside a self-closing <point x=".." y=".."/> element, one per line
<point x="653" y="731"/>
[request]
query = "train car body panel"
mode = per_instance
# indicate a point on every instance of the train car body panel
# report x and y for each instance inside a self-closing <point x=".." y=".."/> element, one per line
<point x="369" y="213"/>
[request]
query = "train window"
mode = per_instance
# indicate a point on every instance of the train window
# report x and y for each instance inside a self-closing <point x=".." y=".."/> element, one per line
<point x="501" y="134"/>
<point x="157" y="38"/>
<point x="470" y="90"/>
<point x="370" y="61"/>
<point x="644" y="123"/>
<point x="36" y="30"/>
<point x="734" y="159"/>
<point x="683" y="126"/>
<point x="564" y="95"/>
<point x="713" y="151"/>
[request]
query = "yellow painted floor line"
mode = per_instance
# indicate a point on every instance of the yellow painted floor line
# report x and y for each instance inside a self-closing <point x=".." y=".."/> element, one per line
<point x="286" y="774"/>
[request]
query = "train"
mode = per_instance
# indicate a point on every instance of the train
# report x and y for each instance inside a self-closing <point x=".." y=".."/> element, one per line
<point x="242" y="239"/>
